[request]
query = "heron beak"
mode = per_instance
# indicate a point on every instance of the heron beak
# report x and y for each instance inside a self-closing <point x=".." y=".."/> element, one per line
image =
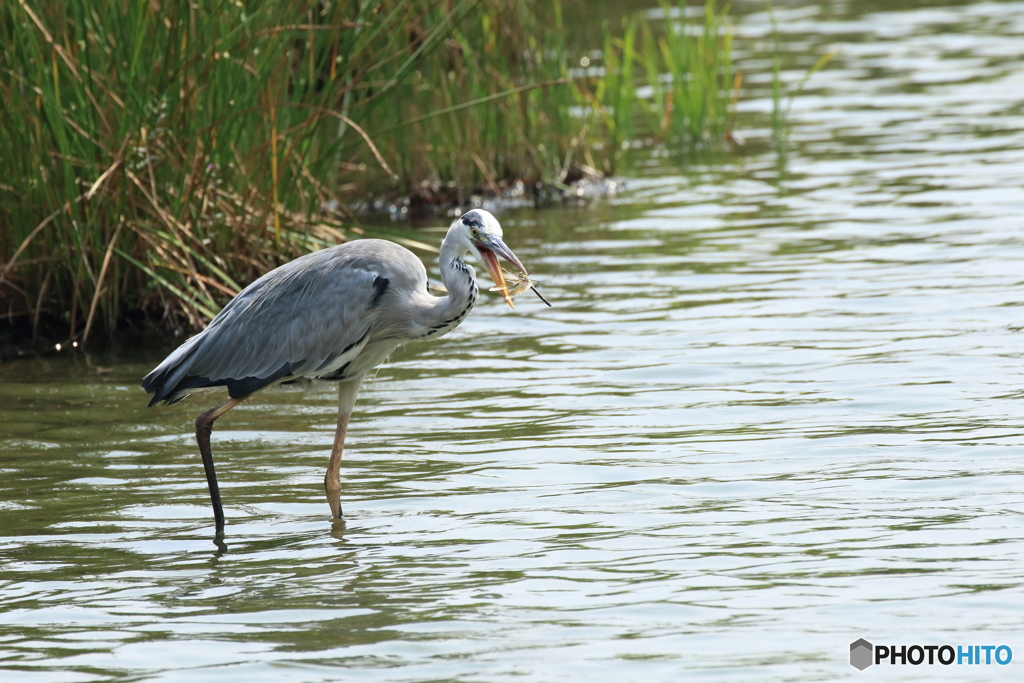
<point x="489" y="255"/>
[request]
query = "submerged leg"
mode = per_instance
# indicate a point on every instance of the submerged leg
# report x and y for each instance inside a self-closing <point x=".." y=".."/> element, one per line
<point x="204" y="427"/>
<point x="347" y="392"/>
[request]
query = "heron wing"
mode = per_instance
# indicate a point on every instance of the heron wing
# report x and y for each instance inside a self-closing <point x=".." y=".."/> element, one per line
<point x="301" y="319"/>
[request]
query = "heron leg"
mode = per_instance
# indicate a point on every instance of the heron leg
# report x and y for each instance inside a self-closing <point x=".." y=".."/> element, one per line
<point x="347" y="392"/>
<point x="332" y="480"/>
<point x="204" y="427"/>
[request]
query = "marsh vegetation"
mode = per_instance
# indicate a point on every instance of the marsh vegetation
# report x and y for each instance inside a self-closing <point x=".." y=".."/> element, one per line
<point x="158" y="156"/>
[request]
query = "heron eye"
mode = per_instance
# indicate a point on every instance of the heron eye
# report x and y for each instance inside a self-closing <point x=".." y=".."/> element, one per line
<point x="474" y="232"/>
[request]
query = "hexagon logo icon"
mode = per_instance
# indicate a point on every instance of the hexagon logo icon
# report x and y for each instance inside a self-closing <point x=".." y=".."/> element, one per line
<point x="861" y="654"/>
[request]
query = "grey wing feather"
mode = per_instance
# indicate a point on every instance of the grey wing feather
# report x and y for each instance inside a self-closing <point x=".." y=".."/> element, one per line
<point x="292" y="321"/>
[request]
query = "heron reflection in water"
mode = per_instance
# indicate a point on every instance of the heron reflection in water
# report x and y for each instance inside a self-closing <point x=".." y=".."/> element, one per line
<point x="332" y="316"/>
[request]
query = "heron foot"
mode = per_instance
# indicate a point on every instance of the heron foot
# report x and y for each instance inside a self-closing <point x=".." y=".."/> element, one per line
<point x="333" y="488"/>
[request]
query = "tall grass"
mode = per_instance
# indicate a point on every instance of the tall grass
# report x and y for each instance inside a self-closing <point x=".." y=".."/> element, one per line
<point x="158" y="156"/>
<point x="492" y="103"/>
<point x="693" y="60"/>
<point x="673" y="83"/>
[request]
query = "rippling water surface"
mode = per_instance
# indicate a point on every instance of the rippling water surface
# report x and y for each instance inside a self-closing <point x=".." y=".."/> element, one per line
<point x="777" y="407"/>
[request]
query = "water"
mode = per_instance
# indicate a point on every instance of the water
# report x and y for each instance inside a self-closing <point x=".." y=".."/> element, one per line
<point x="776" y="408"/>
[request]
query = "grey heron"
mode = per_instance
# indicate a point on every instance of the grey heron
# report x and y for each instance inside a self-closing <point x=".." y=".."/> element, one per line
<point x="332" y="315"/>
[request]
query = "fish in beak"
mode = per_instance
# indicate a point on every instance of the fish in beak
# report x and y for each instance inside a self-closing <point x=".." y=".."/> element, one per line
<point x="517" y="284"/>
<point x="489" y="254"/>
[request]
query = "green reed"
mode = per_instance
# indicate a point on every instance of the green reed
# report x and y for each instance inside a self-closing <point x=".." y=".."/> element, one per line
<point x="691" y="73"/>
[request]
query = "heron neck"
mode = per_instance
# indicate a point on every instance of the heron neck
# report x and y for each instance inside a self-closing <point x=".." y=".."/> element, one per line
<point x="460" y="281"/>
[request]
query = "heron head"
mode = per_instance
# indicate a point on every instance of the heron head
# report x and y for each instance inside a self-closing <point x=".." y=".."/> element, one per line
<point x="482" y="235"/>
